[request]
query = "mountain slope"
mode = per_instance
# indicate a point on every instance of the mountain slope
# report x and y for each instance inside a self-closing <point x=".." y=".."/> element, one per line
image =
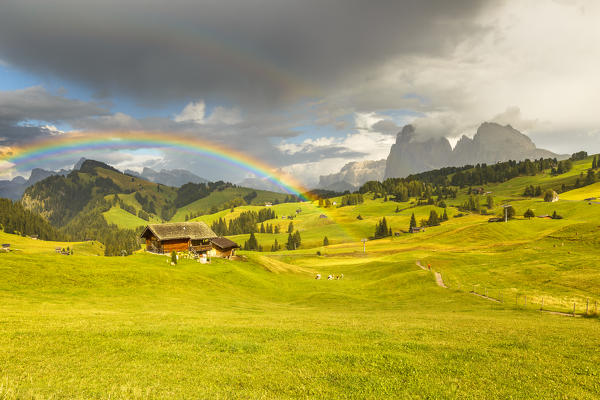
<point x="492" y="143"/>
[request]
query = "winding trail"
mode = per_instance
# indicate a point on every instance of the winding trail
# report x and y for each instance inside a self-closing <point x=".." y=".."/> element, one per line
<point x="440" y="283"/>
<point x="438" y="276"/>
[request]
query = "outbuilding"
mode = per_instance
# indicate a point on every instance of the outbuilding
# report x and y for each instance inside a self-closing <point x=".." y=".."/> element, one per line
<point x="224" y="247"/>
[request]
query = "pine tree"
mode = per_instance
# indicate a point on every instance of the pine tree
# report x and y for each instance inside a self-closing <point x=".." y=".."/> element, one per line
<point x="275" y="246"/>
<point x="251" y="243"/>
<point x="433" y="219"/>
<point x="291" y="227"/>
<point x="262" y="228"/>
<point x="297" y="239"/>
<point x="325" y="241"/>
<point x="413" y="221"/>
<point x="381" y="229"/>
<point x="174" y="257"/>
<point x="397" y="209"/>
<point x="445" y="216"/>
<point x="277" y="229"/>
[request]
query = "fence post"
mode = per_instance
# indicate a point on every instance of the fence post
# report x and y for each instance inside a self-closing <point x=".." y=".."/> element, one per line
<point x="587" y="305"/>
<point x="573" y="308"/>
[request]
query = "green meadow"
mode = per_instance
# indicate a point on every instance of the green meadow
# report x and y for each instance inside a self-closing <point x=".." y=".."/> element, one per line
<point x="85" y="326"/>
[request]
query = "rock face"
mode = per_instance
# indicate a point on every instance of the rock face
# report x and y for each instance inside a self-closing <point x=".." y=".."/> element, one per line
<point x="492" y="143"/>
<point x="409" y="156"/>
<point x="353" y="175"/>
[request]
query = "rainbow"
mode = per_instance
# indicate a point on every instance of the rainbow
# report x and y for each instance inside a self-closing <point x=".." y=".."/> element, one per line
<point x="29" y="156"/>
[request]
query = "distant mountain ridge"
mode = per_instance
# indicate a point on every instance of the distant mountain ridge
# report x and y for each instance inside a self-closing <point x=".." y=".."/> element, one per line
<point x="353" y="175"/>
<point x="492" y="143"/>
<point x="173" y="177"/>
<point x="14" y="189"/>
<point x="411" y="154"/>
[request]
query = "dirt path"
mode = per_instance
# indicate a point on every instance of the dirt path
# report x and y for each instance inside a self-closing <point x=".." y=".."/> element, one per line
<point x="439" y="280"/>
<point x="438" y="276"/>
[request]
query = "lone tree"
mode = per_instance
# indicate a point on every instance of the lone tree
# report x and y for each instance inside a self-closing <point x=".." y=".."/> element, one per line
<point x="174" y="257"/>
<point x="550" y="196"/>
<point x="490" y="201"/>
<point x="325" y="241"/>
<point x="509" y="212"/>
<point x="291" y="227"/>
<point x="529" y="214"/>
<point x="251" y="243"/>
<point x="413" y="221"/>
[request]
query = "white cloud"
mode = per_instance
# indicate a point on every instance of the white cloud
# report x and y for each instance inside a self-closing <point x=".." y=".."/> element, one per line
<point x="196" y="112"/>
<point x="193" y="112"/>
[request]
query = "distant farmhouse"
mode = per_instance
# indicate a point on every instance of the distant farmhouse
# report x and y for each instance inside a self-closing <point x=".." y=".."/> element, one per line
<point x="195" y="237"/>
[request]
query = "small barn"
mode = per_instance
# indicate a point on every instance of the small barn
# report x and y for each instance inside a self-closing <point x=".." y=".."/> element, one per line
<point x="224" y="247"/>
<point x="178" y="236"/>
<point x="416" y="229"/>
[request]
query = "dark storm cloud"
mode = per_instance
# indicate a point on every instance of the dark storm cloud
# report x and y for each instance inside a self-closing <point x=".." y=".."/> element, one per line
<point x="36" y="103"/>
<point x="21" y="111"/>
<point x="255" y="53"/>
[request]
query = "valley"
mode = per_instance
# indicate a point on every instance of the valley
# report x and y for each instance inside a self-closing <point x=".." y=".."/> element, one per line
<point x="88" y="326"/>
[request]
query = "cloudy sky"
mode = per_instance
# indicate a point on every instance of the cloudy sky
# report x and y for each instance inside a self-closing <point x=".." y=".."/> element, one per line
<point x="303" y="85"/>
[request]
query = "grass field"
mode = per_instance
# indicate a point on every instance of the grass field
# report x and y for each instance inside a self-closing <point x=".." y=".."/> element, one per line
<point x="262" y="327"/>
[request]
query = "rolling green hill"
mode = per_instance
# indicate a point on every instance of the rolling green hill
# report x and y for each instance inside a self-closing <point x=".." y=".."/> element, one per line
<point x="262" y="326"/>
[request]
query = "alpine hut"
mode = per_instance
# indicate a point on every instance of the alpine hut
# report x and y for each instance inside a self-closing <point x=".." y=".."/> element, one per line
<point x="178" y="236"/>
<point x="195" y="237"/>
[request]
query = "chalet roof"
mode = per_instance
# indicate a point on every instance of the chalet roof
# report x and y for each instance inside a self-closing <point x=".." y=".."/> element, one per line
<point x="224" y="243"/>
<point x="180" y="230"/>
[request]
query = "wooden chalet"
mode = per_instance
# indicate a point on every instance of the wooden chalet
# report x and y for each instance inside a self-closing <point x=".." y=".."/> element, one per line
<point x="416" y="229"/>
<point x="196" y="237"/>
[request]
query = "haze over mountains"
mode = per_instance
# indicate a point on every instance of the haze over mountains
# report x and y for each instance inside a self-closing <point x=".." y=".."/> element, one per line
<point x="411" y="154"/>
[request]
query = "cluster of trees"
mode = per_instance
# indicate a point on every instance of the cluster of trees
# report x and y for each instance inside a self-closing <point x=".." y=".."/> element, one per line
<point x="580" y="155"/>
<point x="351" y="199"/>
<point x="91" y="225"/>
<point x="474" y="204"/>
<point x="268" y="228"/>
<point x="15" y="219"/>
<point x="382" y="229"/>
<point x="434" y="219"/>
<point x="245" y="223"/>
<point x="531" y="191"/>
<point x="293" y="242"/>
<point x="562" y="167"/>
<point x="146" y="202"/>
<point x="191" y="192"/>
